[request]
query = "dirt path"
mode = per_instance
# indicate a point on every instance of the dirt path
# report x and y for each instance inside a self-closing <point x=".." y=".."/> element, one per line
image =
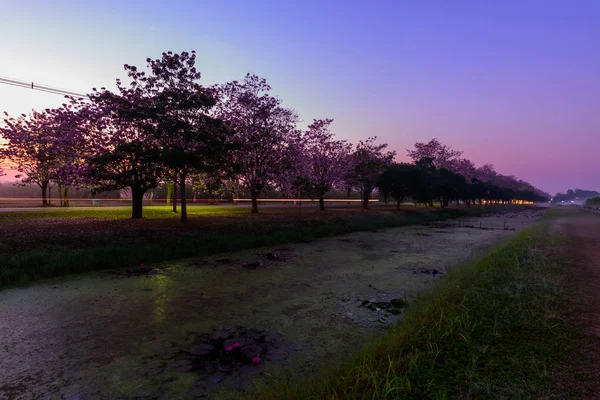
<point x="185" y="329"/>
<point x="582" y="373"/>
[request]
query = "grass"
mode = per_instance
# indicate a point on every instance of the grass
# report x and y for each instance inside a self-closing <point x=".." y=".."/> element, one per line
<point x="150" y="212"/>
<point x="49" y="243"/>
<point x="494" y="328"/>
<point x="594" y="201"/>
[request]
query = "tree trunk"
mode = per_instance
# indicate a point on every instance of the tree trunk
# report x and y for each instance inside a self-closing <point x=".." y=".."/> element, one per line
<point x="430" y="203"/>
<point x="60" y="196"/>
<point x="321" y="203"/>
<point x="174" y="198"/>
<point x="169" y="193"/>
<point x="398" y="204"/>
<point x="254" y="196"/>
<point x="44" y="187"/>
<point x="66" y="197"/>
<point x="183" y="199"/>
<point x="365" y="202"/>
<point x="137" y="202"/>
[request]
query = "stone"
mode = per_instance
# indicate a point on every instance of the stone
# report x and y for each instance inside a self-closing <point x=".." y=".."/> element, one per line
<point x="202" y="388"/>
<point x="252" y="369"/>
<point x="182" y="365"/>
<point x="201" y="349"/>
<point x="252" y="265"/>
<point x="219" y="335"/>
<point x="276" y="355"/>
<point x="274" y="339"/>
<point x="217" y="377"/>
<point x="251" y="350"/>
<point x="151" y="369"/>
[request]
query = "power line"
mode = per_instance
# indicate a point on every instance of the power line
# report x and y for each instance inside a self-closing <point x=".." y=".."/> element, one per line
<point x="42" y="88"/>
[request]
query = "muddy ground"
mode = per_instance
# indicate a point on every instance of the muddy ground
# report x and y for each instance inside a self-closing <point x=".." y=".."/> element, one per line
<point x="204" y="326"/>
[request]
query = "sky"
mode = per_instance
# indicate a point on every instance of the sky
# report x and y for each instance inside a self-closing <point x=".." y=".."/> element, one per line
<point x="511" y="83"/>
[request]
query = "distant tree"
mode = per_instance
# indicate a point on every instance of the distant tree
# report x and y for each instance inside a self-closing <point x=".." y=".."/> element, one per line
<point x="31" y="148"/>
<point x="264" y="130"/>
<point x="326" y="158"/>
<point x="369" y="160"/>
<point x="399" y="181"/>
<point x="441" y="156"/>
<point x="212" y="183"/>
<point x="449" y="186"/>
<point x="70" y="124"/>
<point x="486" y="173"/>
<point x="467" y="169"/>
<point x="572" y="195"/>
<point x="425" y="188"/>
<point x="593" y="201"/>
<point x="294" y="165"/>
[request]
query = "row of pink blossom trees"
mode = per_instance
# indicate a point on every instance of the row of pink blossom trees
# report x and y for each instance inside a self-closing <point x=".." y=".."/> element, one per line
<point x="444" y="156"/>
<point x="450" y="177"/>
<point x="164" y="126"/>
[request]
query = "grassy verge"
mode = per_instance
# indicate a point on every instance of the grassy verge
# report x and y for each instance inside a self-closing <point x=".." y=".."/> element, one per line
<point x="494" y="328"/>
<point x="86" y="245"/>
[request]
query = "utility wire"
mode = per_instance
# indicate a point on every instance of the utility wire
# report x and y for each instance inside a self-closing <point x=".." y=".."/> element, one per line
<point x="42" y="88"/>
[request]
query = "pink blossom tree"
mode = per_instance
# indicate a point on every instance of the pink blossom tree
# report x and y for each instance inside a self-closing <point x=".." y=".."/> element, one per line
<point x="467" y="169"/>
<point x="70" y="126"/>
<point x="486" y="173"/>
<point x="31" y="149"/>
<point x="126" y="152"/>
<point x="294" y="168"/>
<point x="442" y="156"/>
<point x="326" y="158"/>
<point x="368" y="161"/>
<point x="264" y="130"/>
<point x="191" y="140"/>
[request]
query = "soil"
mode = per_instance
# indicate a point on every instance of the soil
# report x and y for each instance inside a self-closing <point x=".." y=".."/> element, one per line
<point x="580" y="376"/>
<point x="114" y="335"/>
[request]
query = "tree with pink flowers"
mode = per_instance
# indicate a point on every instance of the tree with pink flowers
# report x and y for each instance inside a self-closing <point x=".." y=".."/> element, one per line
<point x="265" y="130"/>
<point x="443" y="156"/>
<point x="368" y="161"/>
<point x="126" y="152"/>
<point x="31" y="148"/>
<point x="326" y="158"/>
<point x="190" y="139"/>
<point x="70" y="124"/>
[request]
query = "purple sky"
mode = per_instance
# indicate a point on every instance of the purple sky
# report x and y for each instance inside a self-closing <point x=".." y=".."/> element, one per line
<point x="512" y="83"/>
